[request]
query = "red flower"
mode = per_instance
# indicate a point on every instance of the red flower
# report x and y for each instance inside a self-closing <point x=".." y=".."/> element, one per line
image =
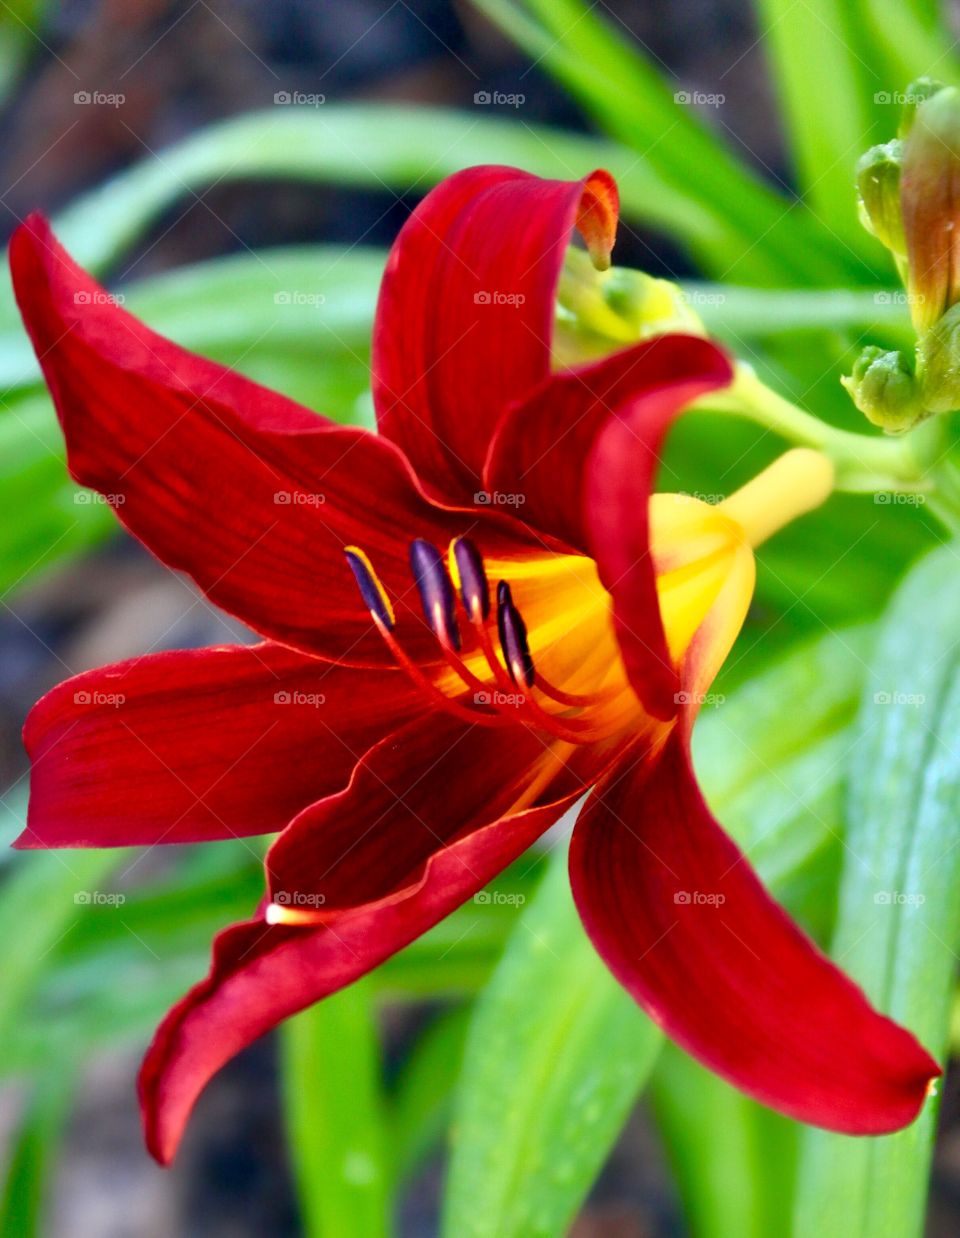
<point x="411" y="736"/>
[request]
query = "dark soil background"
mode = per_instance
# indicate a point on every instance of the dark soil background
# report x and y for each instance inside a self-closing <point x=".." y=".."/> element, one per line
<point x="179" y="66"/>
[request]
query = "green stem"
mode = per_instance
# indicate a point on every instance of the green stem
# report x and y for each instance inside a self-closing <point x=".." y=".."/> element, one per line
<point x="863" y="463"/>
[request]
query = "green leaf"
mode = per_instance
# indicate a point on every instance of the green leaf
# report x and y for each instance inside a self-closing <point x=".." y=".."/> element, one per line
<point x="421" y="1099"/>
<point x="899" y="918"/>
<point x="758" y="239"/>
<point x="825" y="87"/>
<point x="333" y="1106"/>
<point x="34" y="1147"/>
<point x="396" y="149"/>
<point x="911" y="39"/>
<point x="733" y="1160"/>
<point x="736" y="314"/>
<point x="555" y="1057"/>
<point x="44" y="896"/>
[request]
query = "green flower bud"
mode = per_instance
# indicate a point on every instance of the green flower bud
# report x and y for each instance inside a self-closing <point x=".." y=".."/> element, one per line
<point x="878" y="183"/>
<point x="939" y="363"/>
<point x="599" y="311"/>
<point x="884" y="388"/>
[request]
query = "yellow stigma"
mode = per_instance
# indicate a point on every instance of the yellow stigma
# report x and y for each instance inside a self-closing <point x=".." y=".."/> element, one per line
<point x="796" y="483"/>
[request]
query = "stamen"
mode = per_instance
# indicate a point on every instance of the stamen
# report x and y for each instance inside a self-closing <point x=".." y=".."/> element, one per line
<point x="381" y="612"/>
<point x="513" y="638"/>
<point x="484" y="717"/>
<point x="436" y="592"/>
<point x="371" y="590"/>
<point x="466" y="558"/>
<point x="439" y="601"/>
<point x="470" y="576"/>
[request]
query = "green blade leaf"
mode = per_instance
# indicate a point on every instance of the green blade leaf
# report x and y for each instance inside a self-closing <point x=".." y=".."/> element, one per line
<point x="911" y="39"/>
<point x="34" y="1148"/>
<point x="631" y="98"/>
<point x="333" y="1106"/>
<point x="825" y="85"/>
<point x="555" y="1057"/>
<point x="899" y="918"/>
<point x="44" y="897"/>
<point x="733" y="1160"/>
<point x="421" y="1100"/>
<point x="397" y="149"/>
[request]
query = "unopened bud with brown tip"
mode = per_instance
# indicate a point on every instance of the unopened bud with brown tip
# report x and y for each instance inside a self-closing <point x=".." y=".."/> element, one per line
<point x="930" y="206"/>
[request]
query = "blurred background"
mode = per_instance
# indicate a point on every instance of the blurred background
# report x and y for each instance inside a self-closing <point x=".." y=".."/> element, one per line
<point x="94" y="97"/>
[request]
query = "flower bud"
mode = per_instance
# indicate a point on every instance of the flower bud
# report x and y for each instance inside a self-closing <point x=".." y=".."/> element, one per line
<point x="930" y="205"/>
<point x="878" y="183"/>
<point x="599" y="311"/>
<point x="884" y="388"/>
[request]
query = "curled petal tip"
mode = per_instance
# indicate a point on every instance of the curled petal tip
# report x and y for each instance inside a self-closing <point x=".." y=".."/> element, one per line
<point x="597" y="217"/>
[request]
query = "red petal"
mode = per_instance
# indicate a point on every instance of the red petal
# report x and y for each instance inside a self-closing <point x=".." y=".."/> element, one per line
<point x="251" y="494"/>
<point x="207" y="744"/>
<point x="262" y="974"/>
<point x="541" y="444"/>
<point x="411" y="795"/>
<point x="613" y="415"/>
<point x="465" y="317"/>
<point x="685" y="925"/>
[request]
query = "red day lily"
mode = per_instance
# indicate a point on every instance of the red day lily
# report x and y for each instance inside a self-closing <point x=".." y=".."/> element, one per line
<point x="411" y="731"/>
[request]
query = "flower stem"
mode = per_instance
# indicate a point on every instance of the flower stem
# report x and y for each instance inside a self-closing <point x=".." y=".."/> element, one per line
<point x="863" y="463"/>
